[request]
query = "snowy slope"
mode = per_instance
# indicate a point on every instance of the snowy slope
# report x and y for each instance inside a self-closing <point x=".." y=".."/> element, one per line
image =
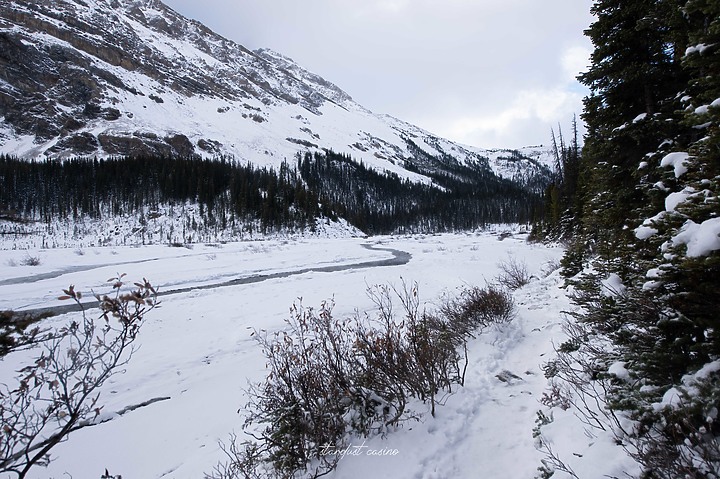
<point x="106" y="77"/>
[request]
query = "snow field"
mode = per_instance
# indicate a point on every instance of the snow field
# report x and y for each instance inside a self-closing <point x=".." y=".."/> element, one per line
<point x="196" y="351"/>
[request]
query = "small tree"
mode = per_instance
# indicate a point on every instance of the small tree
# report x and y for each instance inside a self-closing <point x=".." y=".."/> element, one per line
<point x="58" y="392"/>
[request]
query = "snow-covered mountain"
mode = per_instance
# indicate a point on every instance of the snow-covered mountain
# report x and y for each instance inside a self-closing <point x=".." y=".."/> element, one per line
<point x="117" y="77"/>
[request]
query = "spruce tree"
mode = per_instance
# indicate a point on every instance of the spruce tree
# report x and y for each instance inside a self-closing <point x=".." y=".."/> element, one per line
<point x="633" y="77"/>
<point x="651" y="178"/>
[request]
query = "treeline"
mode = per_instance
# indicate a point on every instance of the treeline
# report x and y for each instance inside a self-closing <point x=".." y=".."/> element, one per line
<point x="460" y="197"/>
<point x="226" y="191"/>
<point x="559" y="215"/>
<point x="320" y="185"/>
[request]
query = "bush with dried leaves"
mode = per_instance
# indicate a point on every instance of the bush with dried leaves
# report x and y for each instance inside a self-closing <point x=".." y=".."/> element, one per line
<point x="58" y="392"/>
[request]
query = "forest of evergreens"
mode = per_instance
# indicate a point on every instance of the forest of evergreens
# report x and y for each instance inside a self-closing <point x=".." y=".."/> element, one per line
<point x="320" y="185"/>
<point x="641" y="213"/>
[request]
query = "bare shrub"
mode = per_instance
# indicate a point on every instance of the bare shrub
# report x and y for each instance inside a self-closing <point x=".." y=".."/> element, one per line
<point x="417" y="355"/>
<point x="677" y="440"/>
<point x="309" y="390"/>
<point x="334" y="379"/>
<point x="243" y="459"/>
<point x="513" y="273"/>
<point x="550" y="267"/>
<point x="477" y="308"/>
<point x="557" y="396"/>
<point x="58" y="392"/>
<point x="328" y="381"/>
<point x="681" y="439"/>
<point x="29" y="260"/>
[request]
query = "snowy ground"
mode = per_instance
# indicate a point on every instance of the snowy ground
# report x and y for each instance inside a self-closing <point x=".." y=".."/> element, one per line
<point x="196" y="349"/>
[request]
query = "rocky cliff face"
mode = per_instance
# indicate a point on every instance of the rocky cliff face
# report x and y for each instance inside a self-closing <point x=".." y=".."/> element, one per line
<point x="118" y="77"/>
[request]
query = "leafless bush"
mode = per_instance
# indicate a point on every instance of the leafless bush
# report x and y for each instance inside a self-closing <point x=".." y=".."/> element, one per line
<point x="417" y="355"/>
<point x="557" y="396"/>
<point x="302" y="404"/>
<point x="58" y="392"/>
<point x="243" y="459"/>
<point x="551" y="463"/>
<point x="333" y="379"/>
<point x="477" y="308"/>
<point x="550" y="267"/>
<point x="679" y="440"/>
<point x="320" y="391"/>
<point x="29" y="260"/>
<point x="513" y="273"/>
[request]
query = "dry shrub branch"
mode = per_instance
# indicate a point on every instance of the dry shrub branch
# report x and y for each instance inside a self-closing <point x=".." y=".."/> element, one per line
<point x="331" y="380"/>
<point x="58" y="392"/>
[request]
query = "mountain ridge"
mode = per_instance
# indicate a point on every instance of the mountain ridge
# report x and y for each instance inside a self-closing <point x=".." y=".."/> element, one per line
<point x="111" y="77"/>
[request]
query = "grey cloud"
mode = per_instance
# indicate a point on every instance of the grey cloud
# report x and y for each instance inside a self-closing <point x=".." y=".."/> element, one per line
<point x="429" y="62"/>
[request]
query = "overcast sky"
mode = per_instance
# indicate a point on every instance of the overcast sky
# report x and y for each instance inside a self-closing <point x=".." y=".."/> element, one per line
<point x="488" y="73"/>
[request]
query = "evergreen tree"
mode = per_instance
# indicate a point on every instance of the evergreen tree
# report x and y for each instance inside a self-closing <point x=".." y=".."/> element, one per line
<point x="634" y="76"/>
<point x="325" y="185"/>
<point x="561" y="208"/>
<point x="650" y="173"/>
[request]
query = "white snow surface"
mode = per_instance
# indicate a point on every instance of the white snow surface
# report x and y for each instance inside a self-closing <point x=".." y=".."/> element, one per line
<point x="678" y="160"/>
<point x="701" y="239"/>
<point x="643" y="232"/>
<point x="677" y="397"/>
<point x="618" y="369"/>
<point x="164" y="224"/>
<point x="197" y="350"/>
<point x="674" y="199"/>
<point x="699" y="48"/>
<point x="612" y="286"/>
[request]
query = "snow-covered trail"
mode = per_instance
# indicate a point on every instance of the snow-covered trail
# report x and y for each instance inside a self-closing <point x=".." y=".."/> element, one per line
<point x="196" y="350"/>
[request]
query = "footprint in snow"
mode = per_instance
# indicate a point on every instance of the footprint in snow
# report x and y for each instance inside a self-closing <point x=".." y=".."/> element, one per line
<point x="508" y="377"/>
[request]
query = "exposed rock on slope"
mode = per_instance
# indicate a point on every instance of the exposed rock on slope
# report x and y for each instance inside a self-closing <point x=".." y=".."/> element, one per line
<point x="114" y="77"/>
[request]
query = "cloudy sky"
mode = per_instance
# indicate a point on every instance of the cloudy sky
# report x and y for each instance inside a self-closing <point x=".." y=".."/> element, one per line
<point x="489" y="73"/>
